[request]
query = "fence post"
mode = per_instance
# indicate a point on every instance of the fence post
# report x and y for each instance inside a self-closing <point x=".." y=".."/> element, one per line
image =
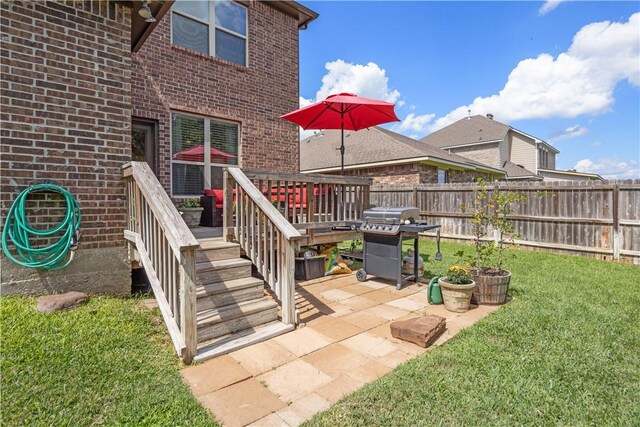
<point x="616" y="230"/>
<point x="415" y="196"/>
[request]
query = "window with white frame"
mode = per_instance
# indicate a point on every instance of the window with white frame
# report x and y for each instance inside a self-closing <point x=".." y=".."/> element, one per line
<point x="217" y="28"/>
<point x="200" y="148"/>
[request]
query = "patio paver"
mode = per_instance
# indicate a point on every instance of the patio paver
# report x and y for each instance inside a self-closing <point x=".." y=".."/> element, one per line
<point x="294" y="380"/>
<point x="242" y="403"/>
<point x="214" y="374"/>
<point x="343" y="343"/>
<point x="263" y="357"/>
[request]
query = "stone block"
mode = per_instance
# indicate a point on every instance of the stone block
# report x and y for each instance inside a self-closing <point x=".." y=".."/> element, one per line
<point x="419" y="330"/>
<point x="51" y="303"/>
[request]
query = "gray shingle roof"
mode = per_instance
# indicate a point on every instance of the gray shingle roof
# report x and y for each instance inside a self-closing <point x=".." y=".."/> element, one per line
<point x="515" y="171"/>
<point x="467" y="131"/>
<point x="368" y="146"/>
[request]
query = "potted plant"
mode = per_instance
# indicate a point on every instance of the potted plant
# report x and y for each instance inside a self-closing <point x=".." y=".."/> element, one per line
<point x="191" y="211"/>
<point x="457" y="288"/>
<point x="491" y="209"/>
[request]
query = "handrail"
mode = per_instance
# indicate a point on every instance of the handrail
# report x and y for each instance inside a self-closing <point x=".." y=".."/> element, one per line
<point x="266" y="236"/>
<point x="289" y="232"/>
<point x="179" y="235"/>
<point x="166" y="248"/>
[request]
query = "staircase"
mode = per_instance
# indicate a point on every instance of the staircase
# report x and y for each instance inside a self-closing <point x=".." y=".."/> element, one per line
<point x="233" y="309"/>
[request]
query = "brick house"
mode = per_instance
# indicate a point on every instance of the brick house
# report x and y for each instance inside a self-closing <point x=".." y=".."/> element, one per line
<point x="196" y="84"/>
<point x="389" y="158"/>
<point x="520" y="155"/>
<point x="78" y="78"/>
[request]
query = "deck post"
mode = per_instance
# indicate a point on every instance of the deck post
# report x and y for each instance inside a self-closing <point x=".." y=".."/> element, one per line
<point x="227" y="207"/>
<point x="289" y="285"/>
<point x="188" y="323"/>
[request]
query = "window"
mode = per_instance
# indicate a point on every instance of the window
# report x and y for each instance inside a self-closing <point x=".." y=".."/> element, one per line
<point x="442" y="176"/>
<point x="200" y="147"/>
<point x="216" y="28"/>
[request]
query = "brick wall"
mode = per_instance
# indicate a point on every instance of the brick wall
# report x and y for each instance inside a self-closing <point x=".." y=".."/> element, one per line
<point x="412" y="173"/>
<point x="167" y="78"/>
<point x="489" y="154"/>
<point x="456" y="176"/>
<point x="65" y="109"/>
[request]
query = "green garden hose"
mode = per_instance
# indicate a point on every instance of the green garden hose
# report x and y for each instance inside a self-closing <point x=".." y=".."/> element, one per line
<point x="19" y="232"/>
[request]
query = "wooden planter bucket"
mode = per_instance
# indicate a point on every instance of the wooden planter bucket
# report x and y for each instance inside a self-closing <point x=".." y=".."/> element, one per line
<point x="490" y="289"/>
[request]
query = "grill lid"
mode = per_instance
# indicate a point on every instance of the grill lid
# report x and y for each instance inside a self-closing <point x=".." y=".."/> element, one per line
<point x="396" y="215"/>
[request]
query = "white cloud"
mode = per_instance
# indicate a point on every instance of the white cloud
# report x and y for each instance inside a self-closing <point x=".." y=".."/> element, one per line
<point x="548" y="6"/>
<point x="610" y="168"/>
<point x="571" y="132"/>
<point x="305" y="101"/>
<point x="578" y="81"/>
<point x="368" y="81"/>
<point x="415" y="123"/>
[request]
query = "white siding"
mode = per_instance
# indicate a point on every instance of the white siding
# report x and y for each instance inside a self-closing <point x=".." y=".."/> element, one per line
<point x="504" y="150"/>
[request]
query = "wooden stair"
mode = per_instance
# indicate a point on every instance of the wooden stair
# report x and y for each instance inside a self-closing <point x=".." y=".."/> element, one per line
<point x="233" y="309"/>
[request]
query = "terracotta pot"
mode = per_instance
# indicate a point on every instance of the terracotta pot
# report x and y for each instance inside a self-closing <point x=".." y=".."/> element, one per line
<point x="456" y="297"/>
<point x="491" y="290"/>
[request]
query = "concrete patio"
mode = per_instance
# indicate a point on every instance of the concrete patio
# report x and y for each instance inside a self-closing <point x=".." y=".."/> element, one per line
<point x="343" y="343"/>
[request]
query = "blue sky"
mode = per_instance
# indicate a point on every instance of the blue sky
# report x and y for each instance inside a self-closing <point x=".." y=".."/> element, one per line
<point x="566" y="72"/>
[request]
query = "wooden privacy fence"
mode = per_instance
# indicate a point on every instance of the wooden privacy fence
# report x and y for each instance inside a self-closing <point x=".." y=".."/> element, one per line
<point x="601" y="218"/>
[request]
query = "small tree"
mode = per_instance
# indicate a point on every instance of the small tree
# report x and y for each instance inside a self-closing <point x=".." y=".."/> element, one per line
<point x="503" y="204"/>
<point x="479" y="222"/>
<point x="491" y="209"/>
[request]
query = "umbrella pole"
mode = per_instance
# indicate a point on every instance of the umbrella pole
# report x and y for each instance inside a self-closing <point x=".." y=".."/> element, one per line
<point x="342" y="143"/>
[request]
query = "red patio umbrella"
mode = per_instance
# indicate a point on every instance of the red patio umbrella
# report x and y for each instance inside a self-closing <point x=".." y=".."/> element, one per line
<point x="343" y="111"/>
<point x="196" y="154"/>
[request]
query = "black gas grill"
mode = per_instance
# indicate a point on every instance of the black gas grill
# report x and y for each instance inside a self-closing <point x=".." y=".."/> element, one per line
<point x="384" y="230"/>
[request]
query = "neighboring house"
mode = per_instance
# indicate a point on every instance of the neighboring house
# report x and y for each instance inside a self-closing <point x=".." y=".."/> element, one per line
<point x="520" y="155"/>
<point x="389" y="158"/>
<point x="77" y="81"/>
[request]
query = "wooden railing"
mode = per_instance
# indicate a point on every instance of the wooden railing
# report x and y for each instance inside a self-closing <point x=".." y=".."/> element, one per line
<point x="309" y="200"/>
<point x="166" y="248"/>
<point x="268" y="239"/>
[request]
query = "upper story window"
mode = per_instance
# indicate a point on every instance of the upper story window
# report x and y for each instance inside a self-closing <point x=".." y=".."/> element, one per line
<point x="217" y="28"/>
<point x="543" y="158"/>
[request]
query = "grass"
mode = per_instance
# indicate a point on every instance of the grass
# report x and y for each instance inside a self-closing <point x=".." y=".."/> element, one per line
<point x="108" y="362"/>
<point x="564" y="352"/>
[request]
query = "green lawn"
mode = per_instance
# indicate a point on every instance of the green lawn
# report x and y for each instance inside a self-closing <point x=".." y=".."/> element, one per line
<point x="107" y="362"/>
<point x="566" y="351"/>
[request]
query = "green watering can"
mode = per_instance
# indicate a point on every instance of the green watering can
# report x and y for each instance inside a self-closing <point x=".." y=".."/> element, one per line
<point x="434" y="295"/>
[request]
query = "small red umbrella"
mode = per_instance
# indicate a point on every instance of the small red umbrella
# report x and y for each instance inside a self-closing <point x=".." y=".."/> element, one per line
<point x="343" y="111"/>
<point x="196" y="154"/>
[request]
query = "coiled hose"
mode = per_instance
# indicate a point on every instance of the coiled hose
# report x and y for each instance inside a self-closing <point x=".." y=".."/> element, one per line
<point x="19" y="232"/>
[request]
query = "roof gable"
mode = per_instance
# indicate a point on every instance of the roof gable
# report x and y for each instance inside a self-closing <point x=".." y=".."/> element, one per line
<point x="470" y="130"/>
